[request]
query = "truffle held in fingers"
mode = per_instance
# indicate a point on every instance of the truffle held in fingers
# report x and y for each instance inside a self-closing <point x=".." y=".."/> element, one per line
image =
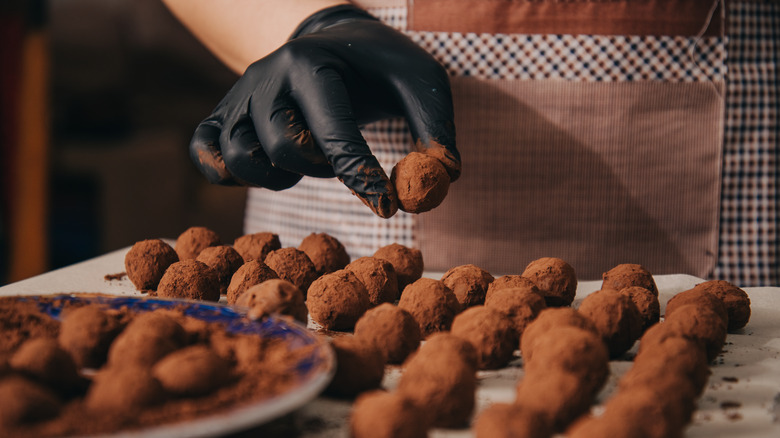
<point x="421" y="182"/>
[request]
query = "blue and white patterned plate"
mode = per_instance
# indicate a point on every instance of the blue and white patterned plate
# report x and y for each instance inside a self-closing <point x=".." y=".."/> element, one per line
<point x="315" y="370"/>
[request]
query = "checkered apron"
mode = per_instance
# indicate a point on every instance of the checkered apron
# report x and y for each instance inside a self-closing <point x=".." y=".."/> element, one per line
<point x="601" y="132"/>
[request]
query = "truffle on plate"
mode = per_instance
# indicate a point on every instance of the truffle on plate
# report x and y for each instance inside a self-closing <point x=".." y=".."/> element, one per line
<point x="256" y="246"/>
<point x="147" y="338"/>
<point x="293" y="265"/>
<point x="512" y="282"/>
<point x="432" y="304"/>
<point x="189" y="279"/>
<point x="337" y="300"/>
<point x="192" y="371"/>
<point x="616" y="319"/>
<point x="124" y="388"/>
<point x="249" y="274"/>
<point x="274" y="296"/>
<point x="509" y="420"/>
<point x="547" y="319"/>
<point x="381" y="414"/>
<point x="702" y="324"/>
<point x="379" y="278"/>
<point x="325" y="251"/>
<point x="23" y="401"/>
<point x="194" y="240"/>
<point x="407" y="262"/>
<point x="646" y="303"/>
<point x="491" y="332"/>
<point x="557" y="396"/>
<point x="735" y="300"/>
<point x="43" y="360"/>
<point x="626" y="275"/>
<point x="392" y="330"/>
<point x="87" y="332"/>
<point x="698" y="297"/>
<point x="224" y="260"/>
<point x="469" y="283"/>
<point x="421" y="182"/>
<point x="555" y="279"/>
<point x="146" y="262"/>
<point x="521" y="305"/>
<point x="359" y="367"/>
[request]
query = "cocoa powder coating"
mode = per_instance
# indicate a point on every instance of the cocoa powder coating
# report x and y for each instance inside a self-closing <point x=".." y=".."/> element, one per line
<point x="249" y="274"/>
<point x="735" y="300"/>
<point x="359" y="367"/>
<point x="325" y="251"/>
<point x="490" y="332"/>
<point x="626" y="275"/>
<point x="407" y="262"/>
<point x="189" y="279"/>
<point x="702" y="324"/>
<point x="337" y="300"/>
<point x="509" y="420"/>
<point x="469" y="283"/>
<point x="293" y="265"/>
<point x="557" y="396"/>
<point x="555" y="279"/>
<point x="87" y="332"/>
<point x="391" y="330"/>
<point x="646" y="303"/>
<point x="512" y="282"/>
<point x="431" y="303"/>
<point x="549" y="318"/>
<point x="275" y="296"/>
<point x="381" y="414"/>
<point x="379" y="278"/>
<point x="43" y="360"/>
<point x="146" y="262"/>
<point x="697" y="297"/>
<point x="223" y="259"/>
<point x="194" y="240"/>
<point x="192" y="371"/>
<point x="23" y="401"/>
<point x="125" y="388"/>
<point x="616" y="319"/>
<point x="421" y="182"/>
<point x="521" y="305"/>
<point x="256" y="246"/>
<point x="146" y="339"/>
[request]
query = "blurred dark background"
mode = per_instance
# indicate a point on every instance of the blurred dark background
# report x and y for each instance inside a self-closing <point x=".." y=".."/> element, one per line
<point x="99" y="100"/>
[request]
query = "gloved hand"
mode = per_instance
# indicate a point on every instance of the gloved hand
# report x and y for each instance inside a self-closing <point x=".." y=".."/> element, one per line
<point x="296" y="111"/>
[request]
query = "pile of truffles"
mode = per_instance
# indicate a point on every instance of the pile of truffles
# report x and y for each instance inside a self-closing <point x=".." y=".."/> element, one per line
<point x="99" y="370"/>
<point x="381" y="311"/>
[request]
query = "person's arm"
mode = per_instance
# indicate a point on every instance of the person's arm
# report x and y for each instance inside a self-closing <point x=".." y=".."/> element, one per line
<point x="239" y="32"/>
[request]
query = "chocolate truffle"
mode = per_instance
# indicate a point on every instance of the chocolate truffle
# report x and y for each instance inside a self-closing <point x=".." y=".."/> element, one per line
<point x="325" y="251"/>
<point x="146" y="262"/>
<point x="555" y="279"/>
<point x="616" y="319"/>
<point x="735" y="300"/>
<point x="549" y="318"/>
<point x="512" y="282"/>
<point x="577" y="351"/>
<point x="379" y="278"/>
<point x="700" y="323"/>
<point x="432" y="304"/>
<point x="192" y="371"/>
<point x="626" y="275"/>
<point x="521" y="305"/>
<point x="256" y="246"/>
<point x="381" y="414"/>
<point x="469" y="283"/>
<point x="490" y="332"/>
<point x="274" y="296"/>
<point x="555" y="395"/>
<point x="194" y="240"/>
<point x="146" y="339"/>
<point x="421" y="182"/>
<point x="189" y="279"/>
<point x="249" y="274"/>
<point x="293" y="265"/>
<point x="408" y="262"/>
<point x="23" y="401"/>
<point x="445" y="343"/>
<point x="123" y="388"/>
<point x="224" y="260"/>
<point x="391" y="330"/>
<point x="337" y="300"/>
<point x="359" y="367"/>
<point x="646" y="303"/>
<point x="86" y="333"/>
<point x="672" y="355"/>
<point x="441" y="381"/>
<point x="43" y="360"/>
<point x="698" y="297"/>
<point x="509" y="420"/>
<point x="649" y="416"/>
<point x="588" y="426"/>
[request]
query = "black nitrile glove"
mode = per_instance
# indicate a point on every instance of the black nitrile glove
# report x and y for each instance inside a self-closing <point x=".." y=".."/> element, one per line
<point x="296" y="112"/>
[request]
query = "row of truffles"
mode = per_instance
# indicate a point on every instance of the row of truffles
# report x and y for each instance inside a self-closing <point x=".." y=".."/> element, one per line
<point x="103" y="370"/>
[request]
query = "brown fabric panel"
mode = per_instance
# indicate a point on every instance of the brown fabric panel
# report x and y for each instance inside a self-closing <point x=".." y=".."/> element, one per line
<point x="589" y="17"/>
<point x="595" y="173"/>
<point x="379" y="3"/>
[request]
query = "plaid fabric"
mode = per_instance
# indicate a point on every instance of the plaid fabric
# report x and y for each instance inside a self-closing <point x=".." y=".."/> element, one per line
<point x="747" y="60"/>
<point x="748" y="246"/>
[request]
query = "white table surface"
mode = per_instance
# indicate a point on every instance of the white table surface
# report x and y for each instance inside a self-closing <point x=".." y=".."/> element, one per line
<point x="746" y="375"/>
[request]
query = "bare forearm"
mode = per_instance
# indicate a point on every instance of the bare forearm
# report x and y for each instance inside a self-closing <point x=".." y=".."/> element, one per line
<point x="240" y="32"/>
